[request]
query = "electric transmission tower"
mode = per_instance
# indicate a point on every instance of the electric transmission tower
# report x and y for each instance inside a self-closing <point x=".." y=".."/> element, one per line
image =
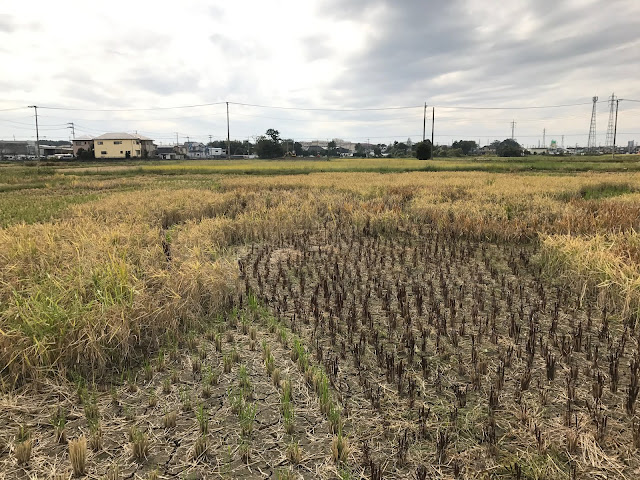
<point x="591" y="142"/>
<point x="610" y="126"/>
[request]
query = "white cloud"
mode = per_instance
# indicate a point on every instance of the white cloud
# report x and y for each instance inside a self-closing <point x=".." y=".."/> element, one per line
<point x="317" y="53"/>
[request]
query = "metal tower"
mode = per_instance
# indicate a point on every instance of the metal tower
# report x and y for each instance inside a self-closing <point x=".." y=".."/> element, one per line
<point x="610" y="126"/>
<point x="591" y="142"/>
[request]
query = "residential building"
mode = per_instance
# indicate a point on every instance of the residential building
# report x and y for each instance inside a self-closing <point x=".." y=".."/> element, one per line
<point x="84" y="142"/>
<point x="169" y="152"/>
<point x="148" y="147"/>
<point x="123" y="145"/>
<point x="215" y="152"/>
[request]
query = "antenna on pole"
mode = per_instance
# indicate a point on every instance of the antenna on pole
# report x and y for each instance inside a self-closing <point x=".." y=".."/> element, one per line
<point x="591" y="141"/>
<point x="73" y="129"/>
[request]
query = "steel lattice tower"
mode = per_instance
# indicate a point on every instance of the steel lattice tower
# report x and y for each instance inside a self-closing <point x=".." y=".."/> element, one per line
<point x="610" y="125"/>
<point x="591" y="142"/>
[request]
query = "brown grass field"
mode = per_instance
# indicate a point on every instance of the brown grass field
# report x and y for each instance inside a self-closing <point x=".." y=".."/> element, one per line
<point x="172" y="322"/>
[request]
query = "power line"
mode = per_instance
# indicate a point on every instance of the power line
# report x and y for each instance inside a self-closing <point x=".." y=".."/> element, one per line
<point x="308" y="109"/>
<point x="132" y="109"/>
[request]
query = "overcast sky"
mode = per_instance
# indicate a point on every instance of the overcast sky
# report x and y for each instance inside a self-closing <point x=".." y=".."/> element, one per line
<point x="327" y="54"/>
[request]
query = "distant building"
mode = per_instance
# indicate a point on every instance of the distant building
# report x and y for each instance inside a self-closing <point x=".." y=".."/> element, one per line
<point x="16" y="149"/>
<point x="169" y="152"/>
<point x="56" y="150"/>
<point x="538" y="151"/>
<point x="215" y="152"/>
<point x="83" y="142"/>
<point x="123" y="145"/>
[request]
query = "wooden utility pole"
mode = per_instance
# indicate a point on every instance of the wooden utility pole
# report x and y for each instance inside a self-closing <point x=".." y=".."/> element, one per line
<point x="433" y="119"/>
<point x="424" y="123"/>
<point x="228" y="136"/>
<point x="35" y="108"/>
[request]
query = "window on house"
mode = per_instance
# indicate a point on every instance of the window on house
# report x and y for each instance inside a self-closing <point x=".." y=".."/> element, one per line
<point x="103" y="153"/>
<point x="121" y="151"/>
<point x="118" y="142"/>
<point x="99" y="143"/>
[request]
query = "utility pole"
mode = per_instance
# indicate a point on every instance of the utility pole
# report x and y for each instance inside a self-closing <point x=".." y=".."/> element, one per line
<point x="73" y="129"/>
<point x="177" y="143"/>
<point x="544" y="138"/>
<point x="228" y="136"/>
<point x="210" y="141"/>
<point x="433" y="119"/>
<point x="513" y="127"/>
<point x="591" y="141"/>
<point x="424" y="122"/>
<point x="615" y="128"/>
<point x="35" y="108"/>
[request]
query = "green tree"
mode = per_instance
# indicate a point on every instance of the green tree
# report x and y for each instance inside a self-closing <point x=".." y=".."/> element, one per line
<point x="509" y="148"/>
<point x="274" y="135"/>
<point x="360" y="152"/>
<point x="331" y="148"/>
<point x="423" y="150"/>
<point x="466" y="146"/>
<point x="270" y="146"/>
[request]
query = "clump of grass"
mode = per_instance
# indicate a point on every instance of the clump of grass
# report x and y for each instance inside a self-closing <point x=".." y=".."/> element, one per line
<point x="148" y="372"/>
<point x="23" y="446"/>
<point x="169" y="419"/>
<point x="245" y="451"/>
<point x="113" y="473"/>
<point x="185" y="398"/>
<point x="247" y="416"/>
<point x="139" y="443"/>
<point x="294" y="453"/>
<point x="78" y="455"/>
<point x="202" y="417"/>
<point x="196" y="365"/>
<point x="227" y="362"/>
<point x="59" y="421"/>
<point x="340" y="449"/>
<point x="95" y="440"/>
<point x="200" y="448"/>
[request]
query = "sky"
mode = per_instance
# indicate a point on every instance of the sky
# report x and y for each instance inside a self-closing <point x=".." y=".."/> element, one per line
<point x="359" y="70"/>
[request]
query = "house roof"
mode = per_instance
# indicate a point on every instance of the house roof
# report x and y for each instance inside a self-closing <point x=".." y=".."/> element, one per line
<point x="83" y="138"/>
<point x="116" y="136"/>
<point x="121" y="136"/>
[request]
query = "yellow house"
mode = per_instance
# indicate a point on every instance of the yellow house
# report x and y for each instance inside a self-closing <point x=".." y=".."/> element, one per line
<point x="117" y="145"/>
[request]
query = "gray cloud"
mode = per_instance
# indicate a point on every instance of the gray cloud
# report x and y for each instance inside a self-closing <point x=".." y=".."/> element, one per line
<point x="7" y="24"/>
<point x="316" y="47"/>
<point x="162" y="81"/>
<point x="415" y="42"/>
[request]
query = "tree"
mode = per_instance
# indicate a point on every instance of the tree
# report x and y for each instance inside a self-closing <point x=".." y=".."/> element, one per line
<point x="331" y="148"/>
<point x="360" y="152"/>
<point x="467" y="146"/>
<point x="423" y="150"/>
<point x="509" y="148"/>
<point x="270" y="146"/>
<point x="274" y="135"/>
<point x="377" y="151"/>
